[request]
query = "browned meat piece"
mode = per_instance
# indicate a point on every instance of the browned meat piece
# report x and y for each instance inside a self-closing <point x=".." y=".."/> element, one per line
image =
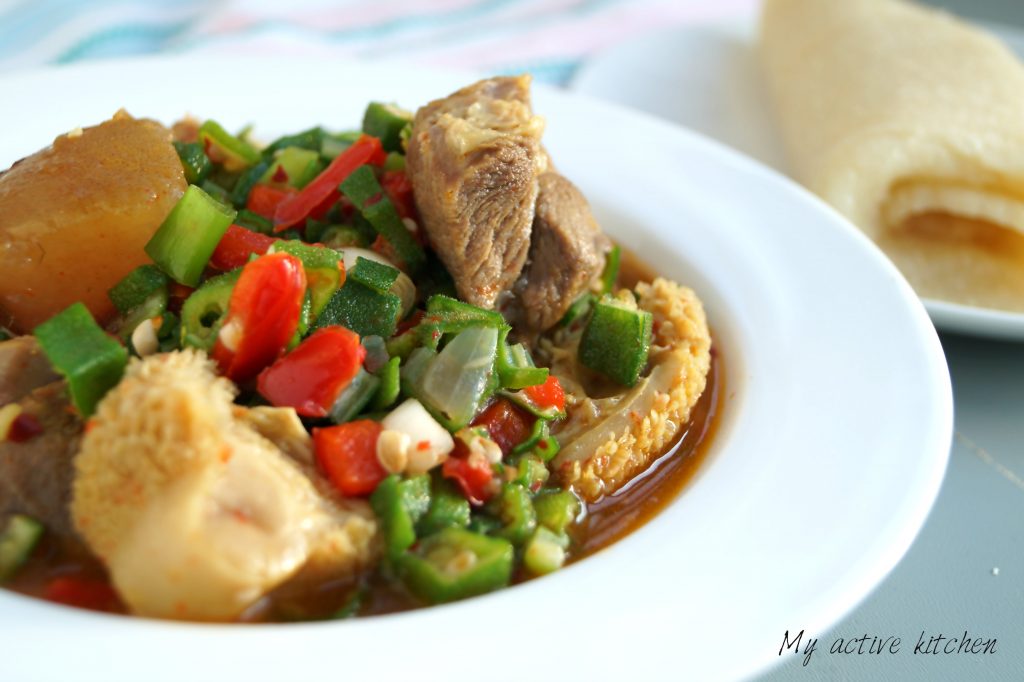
<point x="566" y="253"/>
<point x="473" y="159"/>
<point x="35" y="476"/>
<point x="23" y="367"/>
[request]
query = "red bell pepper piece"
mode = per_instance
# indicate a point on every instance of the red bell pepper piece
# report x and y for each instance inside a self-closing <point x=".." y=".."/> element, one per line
<point x="547" y="395"/>
<point x="85" y="593"/>
<point x="323" y="190"/>
<point x="237" y="245"/>
<point x="264" y="199"/>
<point x="263" y="314"/>
<point x="398" y="187"/>
<point x="312" y="376"/>
<point x="473" y="474"/>
<point x="347" y="454"/>
<point x="508" y="424"/>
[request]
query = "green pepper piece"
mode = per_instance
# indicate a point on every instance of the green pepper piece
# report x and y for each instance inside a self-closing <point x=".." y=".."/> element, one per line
<point x="79" y="349"/>
<point x="189" y="235"/>
<point x="377" y="276"/>
<point x="403" y="345"/>
<point x="17" y="541"/>
<point x="395" y="161"/>
<point x="254" y="221"/>
<point x="246" y="181"/>
<point x="362" y="310"/>
<point x="194" y="161"/>
<point x="610" y="274"/>
<point x="456" y="563"/>
<point x="154" y="306"/>
<point x="354" y="397"/>
<point x="390" y="385"/>
<point x="556" y="509"/>
<point x="342" y="236"/>
<point x="579" y="308"/>
<point x="169" y="334"/>
<point x="239" y="153"/>
<point x="399" y="504"/>
<point x="545" y="552"/>
<point x="323" y="275"/>
<point x="385" y="121"/>
<point x="447" y="315"/>
<point x="363" y="190"/>
<point x="137" y="286"/>
<point x="299" y="166"/>
<point x="216" y="192"/>
<point x="448" y="508"/>
<point x="203" y="311"/>
<point x="334" y="144"/>
<point x="307" y="139"/>
<point x="515" y="510"/>
<point x="515" y="366"/>
<point x="616" y="341"/>
<point x="532" y="473"/>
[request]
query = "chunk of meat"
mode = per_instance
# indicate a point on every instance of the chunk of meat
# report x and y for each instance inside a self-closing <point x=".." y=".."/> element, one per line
<point x="567" y="252"/>
<point x="195" y="514"/>
<point x="74" y="217"/>
<point x="36" y="475"/>
<point x="23" y="368"/>
<point x="473" y="160"/>
<point x="607" y="441"/>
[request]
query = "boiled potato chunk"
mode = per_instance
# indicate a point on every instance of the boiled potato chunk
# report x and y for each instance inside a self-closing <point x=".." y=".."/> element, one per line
<point x="74" y="217"/>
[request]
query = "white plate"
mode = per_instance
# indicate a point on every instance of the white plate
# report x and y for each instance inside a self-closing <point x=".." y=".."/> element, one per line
<point x="705" y="76"/>
<point x="831" y="448"/>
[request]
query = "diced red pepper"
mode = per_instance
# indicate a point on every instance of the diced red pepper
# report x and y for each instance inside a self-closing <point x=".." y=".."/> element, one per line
<point x="312" y="376"/>
<point x="264" y="199"/>
<point x="409" y="323"/>
<point x="474" y="475"/>
<point x="263" y="314"/>
<point x="347" y="454"/>
<point x="323" y="190"/>
<point x="85" y="593"/>
<point x="508" y="424"/>
<point x="398" y="187"/>
<point x="547" y="395"/>
<point x="237" y="245"/>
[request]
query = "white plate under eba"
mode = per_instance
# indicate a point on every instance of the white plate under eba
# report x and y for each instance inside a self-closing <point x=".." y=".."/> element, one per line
<point x="705" y="77"/>
<point x="831" y="448"/>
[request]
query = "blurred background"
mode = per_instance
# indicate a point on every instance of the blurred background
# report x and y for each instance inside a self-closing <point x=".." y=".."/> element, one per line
<point x="547" y="37"/>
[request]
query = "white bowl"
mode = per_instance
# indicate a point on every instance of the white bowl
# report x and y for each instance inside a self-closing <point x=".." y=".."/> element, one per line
<point x="833" y="441"/>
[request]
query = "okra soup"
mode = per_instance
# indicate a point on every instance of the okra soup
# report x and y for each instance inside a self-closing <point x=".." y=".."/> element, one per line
<point x="339" y="374"/>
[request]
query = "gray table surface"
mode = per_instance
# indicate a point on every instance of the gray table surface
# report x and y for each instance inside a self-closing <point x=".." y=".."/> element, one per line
<point x="965" y="571"/>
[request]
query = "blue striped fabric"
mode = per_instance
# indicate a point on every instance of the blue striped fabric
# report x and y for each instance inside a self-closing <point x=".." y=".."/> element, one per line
<point x="547" y="37"/>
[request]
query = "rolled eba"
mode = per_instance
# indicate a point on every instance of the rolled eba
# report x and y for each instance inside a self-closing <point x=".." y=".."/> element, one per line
<point x="911" y="123"/>
<point x="188" y="237"/>
<point x="79" y="349"/>
<point x="616" y="340"/>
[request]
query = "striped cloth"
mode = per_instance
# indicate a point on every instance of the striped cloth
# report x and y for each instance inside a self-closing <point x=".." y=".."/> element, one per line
<point x="549" y="38"/>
